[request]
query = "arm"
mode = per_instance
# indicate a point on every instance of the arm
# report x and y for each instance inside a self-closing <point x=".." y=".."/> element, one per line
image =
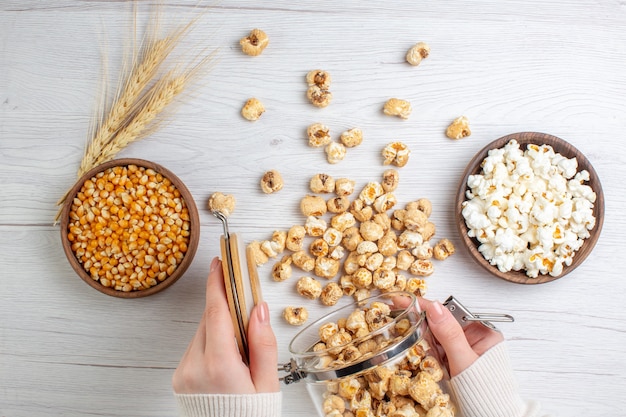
<point x="482" y="379"/>
<point x="211" y="379"/>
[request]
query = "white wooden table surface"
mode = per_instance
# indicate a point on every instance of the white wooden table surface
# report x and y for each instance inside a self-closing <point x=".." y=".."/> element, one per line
<point x="550" y="66"/>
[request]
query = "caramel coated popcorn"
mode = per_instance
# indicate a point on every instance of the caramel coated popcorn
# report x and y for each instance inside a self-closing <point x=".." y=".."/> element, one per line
<point x="406" y="387"/>
<point x="459" y="128"/>
<point x="397" y="107"/>
<point x="417" y="52"/>
<point x="254" y="43"/>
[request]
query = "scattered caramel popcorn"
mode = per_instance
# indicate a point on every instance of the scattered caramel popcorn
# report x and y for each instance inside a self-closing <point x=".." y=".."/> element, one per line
<point x="318" y="92"/>
<point x="318" y="134"/>
<point x="253" y="109"/>
<point x="222" y="203"/>
<point x="258" y="255"/>
<point x="335" y="152"/>
<point x="391" y="179"/>
<point x="331" y="294"/>
<point x="319" y="97"/>
<point x="417" y="52"/>
<point x="254" y="43"/>
<point x="352" y="137"/>
<point x="309" y="287"/>
<point x="361" y="246"/>
<point x="344" y="186"/>
<point x="296" y="316"/>
<point x="319" y="78"/>
<point x="443" y="249"/>
<point x="459" y="128"/>
<point x="282" y="269"/>
<point x="396" y="153"/>
<point x="322" y="183"/>
<point x="271" y="182"/>
<point x="397" y="107"/>
<point x="313" y="205"/>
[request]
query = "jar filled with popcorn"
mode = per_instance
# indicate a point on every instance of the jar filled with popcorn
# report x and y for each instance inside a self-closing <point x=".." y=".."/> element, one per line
<point x="371" y="358"/>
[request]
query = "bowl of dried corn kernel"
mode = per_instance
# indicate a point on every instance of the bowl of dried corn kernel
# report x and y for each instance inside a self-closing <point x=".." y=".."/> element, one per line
<point x="529" y="207"/>
<point x="129" y="228"/>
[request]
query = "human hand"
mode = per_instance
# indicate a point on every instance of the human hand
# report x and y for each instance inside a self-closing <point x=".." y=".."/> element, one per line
<point x="462" y="345"/>
<point x="212" y="363"/>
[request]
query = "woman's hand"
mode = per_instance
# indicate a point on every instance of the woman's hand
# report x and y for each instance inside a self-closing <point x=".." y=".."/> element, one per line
<point x="212" y="363"/>
<point x="462" y="345"/>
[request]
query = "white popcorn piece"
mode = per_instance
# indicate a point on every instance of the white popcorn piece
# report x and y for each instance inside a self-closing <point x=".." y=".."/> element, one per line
<point x="529" y="209"/>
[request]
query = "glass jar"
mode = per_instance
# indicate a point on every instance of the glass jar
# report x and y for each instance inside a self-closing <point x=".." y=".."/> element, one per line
<point x="370" y="358"/>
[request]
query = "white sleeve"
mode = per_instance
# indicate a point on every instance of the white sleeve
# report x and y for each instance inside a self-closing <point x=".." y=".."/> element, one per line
<point x="229" y="405"/>
<point x="488" y="388"/>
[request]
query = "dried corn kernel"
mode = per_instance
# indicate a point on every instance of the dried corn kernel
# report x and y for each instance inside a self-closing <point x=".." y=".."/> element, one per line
<point x="417" y="52"/>
<point x="397" y="107"/>
<point x="396" y="153"/>
<point x="296" y="316"/>
<point x="318" y="134"/>
<point x="271" y="182"/>
<point x="121" y="234"/>
<point x="459" y="128"/>
<point x="223" y="203"/>
<point x="352" y="137"/>
<point x="254" y="43"/>
<point x="252" y="109"/>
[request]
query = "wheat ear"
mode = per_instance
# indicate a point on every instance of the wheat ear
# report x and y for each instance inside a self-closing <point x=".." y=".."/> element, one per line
<point x="142" y="73"/>
<point x="159" y="96"/>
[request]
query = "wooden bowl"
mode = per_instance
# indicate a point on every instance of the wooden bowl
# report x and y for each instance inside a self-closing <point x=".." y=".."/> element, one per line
<point x="559" y="146"/>
<point x="123" y="242"/>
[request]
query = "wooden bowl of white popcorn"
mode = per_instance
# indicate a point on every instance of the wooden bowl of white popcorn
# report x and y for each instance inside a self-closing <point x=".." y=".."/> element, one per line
<point x="129" y="228"/>
<point x="529" y="208"/>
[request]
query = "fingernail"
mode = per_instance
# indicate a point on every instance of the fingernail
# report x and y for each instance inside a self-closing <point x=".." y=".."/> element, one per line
<point x="214" y="264"/>
<point x="263" y="313"/>
<point x="436" y="314"/>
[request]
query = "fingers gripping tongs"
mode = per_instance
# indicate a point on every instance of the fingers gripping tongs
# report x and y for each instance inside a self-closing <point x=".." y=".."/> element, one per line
<point x="241" y="280"/>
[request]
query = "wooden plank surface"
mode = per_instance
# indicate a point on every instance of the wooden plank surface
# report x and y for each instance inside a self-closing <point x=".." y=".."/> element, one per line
<point x="550" y="66"/>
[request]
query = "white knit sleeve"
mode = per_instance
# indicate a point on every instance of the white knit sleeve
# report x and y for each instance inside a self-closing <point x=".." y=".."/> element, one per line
<point x="488" y="388"/>
<point x="229" y="405"/>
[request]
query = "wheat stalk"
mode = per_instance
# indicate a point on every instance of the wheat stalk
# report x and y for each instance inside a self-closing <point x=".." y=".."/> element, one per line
<point x="159" y="96"/>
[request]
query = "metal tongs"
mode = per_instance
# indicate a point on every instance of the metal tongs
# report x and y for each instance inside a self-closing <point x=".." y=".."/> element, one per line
<point x="241" y="281"/>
